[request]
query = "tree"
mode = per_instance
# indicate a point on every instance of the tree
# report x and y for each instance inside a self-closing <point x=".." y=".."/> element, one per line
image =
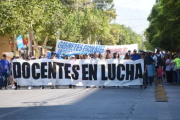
<point x="43" y="18"/>
<point x="164" y="27"/>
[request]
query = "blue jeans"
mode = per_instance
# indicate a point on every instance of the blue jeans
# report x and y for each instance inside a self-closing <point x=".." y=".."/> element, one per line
<point x="6" y="80"/>
<point x="148" y="80"/>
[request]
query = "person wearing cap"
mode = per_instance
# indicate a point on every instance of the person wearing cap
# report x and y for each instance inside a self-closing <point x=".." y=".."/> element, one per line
<point x="5" y="67"/>
<point x="53" y="55"/>
<point x="73" y="57"/>
<point x="135" y="56"/>
<point x="33" y="58"/>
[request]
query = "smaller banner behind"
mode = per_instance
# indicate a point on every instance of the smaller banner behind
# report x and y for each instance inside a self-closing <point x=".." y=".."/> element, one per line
<point x="66" y="47"/>
<point x="112" y="72"/>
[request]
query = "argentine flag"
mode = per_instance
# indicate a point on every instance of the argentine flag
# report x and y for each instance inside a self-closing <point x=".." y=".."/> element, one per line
<point x="20" y="42"/>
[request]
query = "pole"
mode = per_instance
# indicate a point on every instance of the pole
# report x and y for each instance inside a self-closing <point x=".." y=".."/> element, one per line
<point x="143" y="43"/>
<point x="30" y="43"/>
<point x="15" y="45"/>
<point x="88" y="40"/>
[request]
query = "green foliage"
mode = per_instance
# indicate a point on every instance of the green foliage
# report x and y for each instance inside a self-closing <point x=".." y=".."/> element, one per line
<point x="75" y="20"/>
<point x="164" y="27"/>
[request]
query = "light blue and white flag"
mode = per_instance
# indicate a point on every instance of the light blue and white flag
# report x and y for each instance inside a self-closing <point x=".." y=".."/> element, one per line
<point x="20" y="42"/>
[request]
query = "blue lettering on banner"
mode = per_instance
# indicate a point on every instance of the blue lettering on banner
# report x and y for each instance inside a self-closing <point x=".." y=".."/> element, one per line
<point x="88" y="49"/>
<point x="102" y="48"/>
<point x="60" y="44"/>
<point x="91" y="48"/>
<point x="65" y="47"/>
<point x="59" y="51"/>
<point x="79" y="47"/>
<point x="69" y="46"/>
<point x="85" y="48"/>
<point x="96" y="49"/>
<point x="75" y="45"/>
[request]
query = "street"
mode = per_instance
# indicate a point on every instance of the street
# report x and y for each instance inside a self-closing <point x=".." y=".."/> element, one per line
<point x="89" y="104"/>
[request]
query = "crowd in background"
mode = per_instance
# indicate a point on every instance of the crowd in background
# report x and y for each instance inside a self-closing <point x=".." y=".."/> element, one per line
<point x="166" y="65"/>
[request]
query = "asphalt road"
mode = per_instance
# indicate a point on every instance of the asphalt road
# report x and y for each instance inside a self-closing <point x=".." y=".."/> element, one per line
<point x="89" y="104"/>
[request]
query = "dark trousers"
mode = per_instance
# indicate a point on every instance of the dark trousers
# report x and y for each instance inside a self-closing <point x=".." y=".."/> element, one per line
<point x="169" y="76"/>
<point x="174" y="76"/>
<point x="5" y="75"/>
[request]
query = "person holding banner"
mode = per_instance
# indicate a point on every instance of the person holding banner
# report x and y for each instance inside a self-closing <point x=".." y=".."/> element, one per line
<point x="109" y="56"/>
<point x="53" y="55"/>
<point x="73" y="57"/>
<point x="81" y="57"/>
<point x="102" y="57"/>
<point x="86" y="56"/>
<point x="135" y="56"/>
<point x="96" y="56"/>
<point x="116" y="55"/>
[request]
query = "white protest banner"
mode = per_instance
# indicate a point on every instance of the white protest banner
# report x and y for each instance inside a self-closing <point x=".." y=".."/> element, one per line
<point x="112" y="72"/>
<point x="66" y="47"/>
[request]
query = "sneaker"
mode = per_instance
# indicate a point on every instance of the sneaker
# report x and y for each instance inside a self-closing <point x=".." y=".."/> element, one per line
<point x="42" y="87"/>
<point x="29" y="87"/>
<point x="13" y="87"/>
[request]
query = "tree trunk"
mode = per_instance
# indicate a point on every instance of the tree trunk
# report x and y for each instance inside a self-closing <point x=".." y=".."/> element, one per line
<point x="36" y="46"/>
<point x="30" y="43"/>
<point x="45" y="42"/>
<point x="15" y="41"/>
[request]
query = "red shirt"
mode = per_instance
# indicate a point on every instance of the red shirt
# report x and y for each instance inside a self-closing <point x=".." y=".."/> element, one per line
<point x="159" y="72"/>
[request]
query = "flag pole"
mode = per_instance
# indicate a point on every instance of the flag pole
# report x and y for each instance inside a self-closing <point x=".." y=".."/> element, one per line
<point x="15" y="45"/>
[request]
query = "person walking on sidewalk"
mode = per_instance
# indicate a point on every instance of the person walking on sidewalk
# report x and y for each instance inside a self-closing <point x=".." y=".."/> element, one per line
<point x="135" y="56"/>
<point x="5" y="66"/>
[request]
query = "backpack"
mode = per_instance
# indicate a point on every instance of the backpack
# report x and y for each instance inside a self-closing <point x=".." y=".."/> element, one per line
<point x="159" y="60"/>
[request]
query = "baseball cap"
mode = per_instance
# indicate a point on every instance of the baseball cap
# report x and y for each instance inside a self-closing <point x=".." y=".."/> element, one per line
<point x="4" y="55"/>
<point x="53" y="52"/>
<point x="72" y="56"/>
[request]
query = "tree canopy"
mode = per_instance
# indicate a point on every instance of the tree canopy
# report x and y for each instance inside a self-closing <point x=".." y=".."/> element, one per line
<point x="164" y="27"/>
<point x="76" y="21"/>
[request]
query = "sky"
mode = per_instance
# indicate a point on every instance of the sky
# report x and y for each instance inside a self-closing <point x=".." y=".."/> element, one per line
<point x="133" y="13"/>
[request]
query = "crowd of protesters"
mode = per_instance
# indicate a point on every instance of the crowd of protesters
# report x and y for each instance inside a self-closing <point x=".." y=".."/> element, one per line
<point x="167" y="66"/>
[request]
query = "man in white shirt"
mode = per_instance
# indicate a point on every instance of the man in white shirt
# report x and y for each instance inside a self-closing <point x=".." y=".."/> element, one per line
<point x="96" y="56"/>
